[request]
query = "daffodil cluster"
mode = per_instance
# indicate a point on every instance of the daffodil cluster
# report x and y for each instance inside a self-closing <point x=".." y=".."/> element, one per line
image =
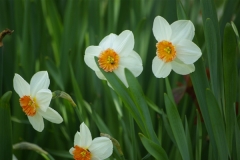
<point x="174" y="51"/>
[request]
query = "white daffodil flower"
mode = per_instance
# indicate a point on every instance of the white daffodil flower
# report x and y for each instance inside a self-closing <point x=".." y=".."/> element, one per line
<point x="115" y="52"/>
<point x="175" y="49"/>
<point x="87" y="149"/>
<point x="35" y="99"/>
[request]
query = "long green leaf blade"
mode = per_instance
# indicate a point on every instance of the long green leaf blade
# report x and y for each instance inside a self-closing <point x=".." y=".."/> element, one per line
<point x="177" y="127"/>
<point x="6" y="127"/>
<point x="54" y="26"/>
<point x="209" y="11"/>
<point x="212" y="53"/>
<point x="217" y="125"/>
<point x="198" y="137"/>
<point x="155" y="150"/>
<point x="139" y="99"/>
<point x="230" y="80"/>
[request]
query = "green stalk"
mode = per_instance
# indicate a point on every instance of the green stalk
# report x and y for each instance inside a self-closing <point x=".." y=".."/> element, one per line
<point x="64" y="95"/>
<point x="78" y="113"/>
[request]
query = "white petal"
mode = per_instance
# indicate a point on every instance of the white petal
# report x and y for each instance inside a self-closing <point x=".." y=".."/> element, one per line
<point x="181" y="68"/>
<point x="121" y="75"/>
<point x="95" y="158"/>
<point x="160" y="68"/>
<point x="21" y="86"/>
<point x="90" y="53"/>
<point x="188" y="52"/>
<point x="124" y="43"/>
<point x="107" y="42"/>
<point x="100" y="75"/>
<point x="182" y="29"/>
<point x="161" y="29"/>
<point x="51" y="115"/>
<point x="37" y="122"/>
<point x="43" y="98"/>
<point x="39" y="81"/>
<point x="77" y="139"/>
<point x="85" y="136"/>
<point x="71" y="150"/>
<point x="101" y="147"/>
<point x="133" y="62"/>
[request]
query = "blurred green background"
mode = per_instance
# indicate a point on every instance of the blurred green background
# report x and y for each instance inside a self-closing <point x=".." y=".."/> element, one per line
<point x="52" y="35"/>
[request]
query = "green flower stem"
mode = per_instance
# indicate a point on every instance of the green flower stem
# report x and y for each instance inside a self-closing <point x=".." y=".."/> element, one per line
<point x="78" y="113"/>
<point x="64" y="95"/>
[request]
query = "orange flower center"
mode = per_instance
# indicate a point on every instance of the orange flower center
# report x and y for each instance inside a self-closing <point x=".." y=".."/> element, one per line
<point x="81" y="153"/>
<point x="28" y="105"/>
<point x="108" y="60"/>
<point x="166" y="51"/>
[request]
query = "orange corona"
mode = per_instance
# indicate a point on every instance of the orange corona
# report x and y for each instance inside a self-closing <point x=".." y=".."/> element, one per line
<point x="108" y="60"/>
<point x="28" y="105"/>
<point x="81" y="153"/>
<point x="166" y="51"/>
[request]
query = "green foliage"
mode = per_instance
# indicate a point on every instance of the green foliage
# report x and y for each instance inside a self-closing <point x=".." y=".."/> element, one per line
<point x="6" y="127"/>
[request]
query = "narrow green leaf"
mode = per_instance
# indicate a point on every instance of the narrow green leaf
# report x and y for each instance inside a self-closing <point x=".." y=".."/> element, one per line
<point x="113" y="9"/>
<point x="80" y="102"/>
<point x="212" y="53"/>
<point x="27" y="62"/>
<point x="169" y="90"/>
<point x="230" y="80"/>
<point x="72" y="32"/>
<point x="153" y="106"/>
<point x="237" y="35"/>
<point x="188" y="136"/>
<point x="2" y="35"/>
<point x="54" y="72"/>
<point x="237" y="140"/>
<point x="177" y="127"/>
<point x="100" y="123"/>
<point x="133" y="137"/>
<point x="235" y="29"/>
<point x="139" y="99"/>
<point x="164" y="118"/>
<point x="217" y="125"/>
<point x="62" y="154"/>
<point x="229" y="9"/>
<point x="155" y="150"/>
<point x="181" y="14"/>
<point x="168" y="127"/>
<point x="54" y="26"/>
<point x="209" y="11"/>
<point x="198" y="151"/>
<point x="6" y="127"/>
